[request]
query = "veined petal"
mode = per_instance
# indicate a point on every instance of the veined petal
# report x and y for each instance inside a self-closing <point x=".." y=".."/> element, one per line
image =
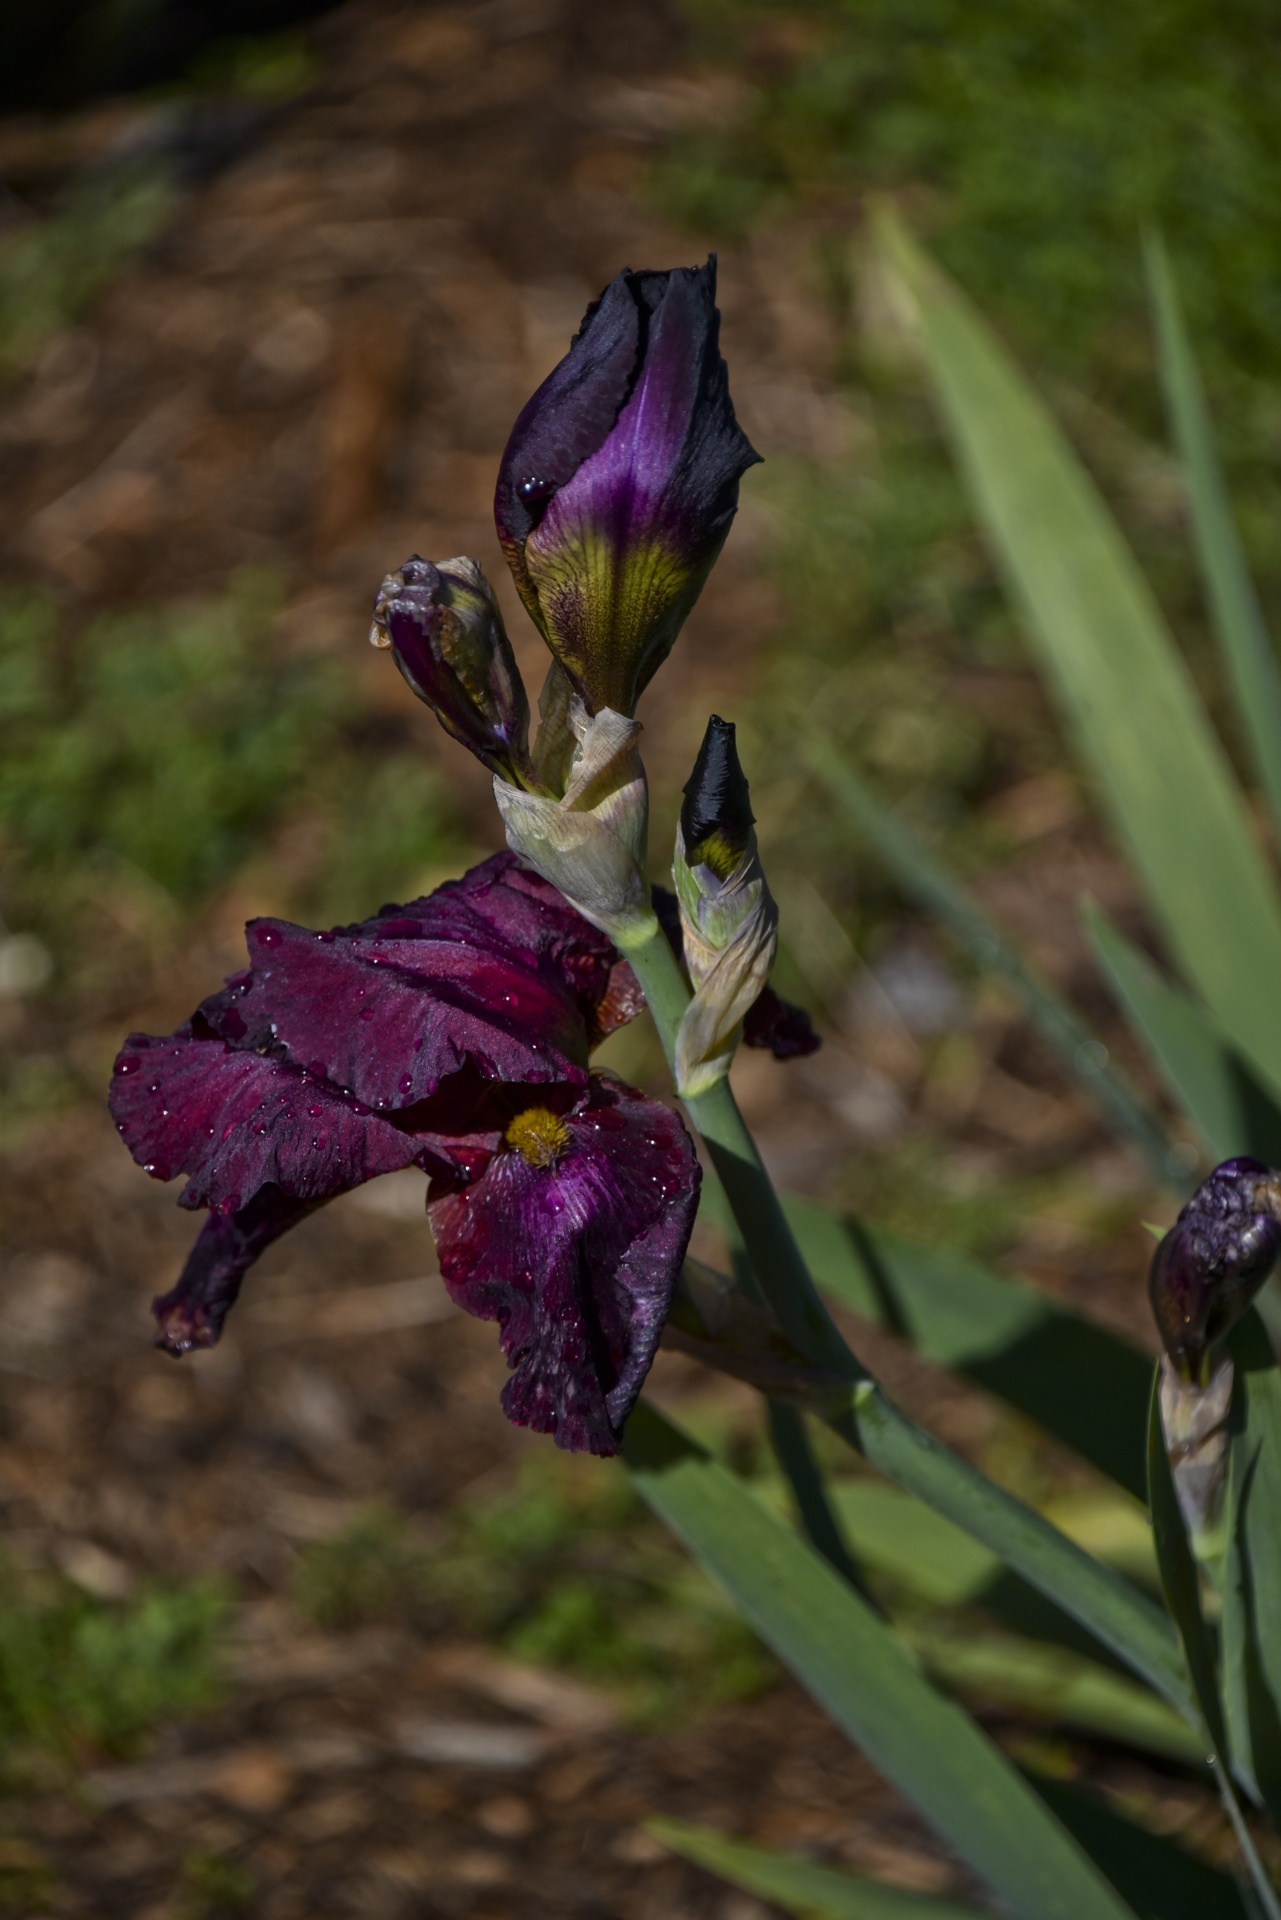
<point x="572" y="1240"/>
<point x="235" y="1121"/>
<point x="389" y="1016"/>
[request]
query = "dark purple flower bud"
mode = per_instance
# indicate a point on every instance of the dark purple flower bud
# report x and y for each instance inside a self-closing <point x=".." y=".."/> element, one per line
<point x="1214" y="1260"/>
<point x="717" y="817"/>
<point x="447" y="637"/>
<point x="572" y="1239"/>
<point x="620" y="480"/>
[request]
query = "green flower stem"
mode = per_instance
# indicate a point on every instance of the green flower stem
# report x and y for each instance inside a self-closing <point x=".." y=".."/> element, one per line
<point x="864" y="1415"/>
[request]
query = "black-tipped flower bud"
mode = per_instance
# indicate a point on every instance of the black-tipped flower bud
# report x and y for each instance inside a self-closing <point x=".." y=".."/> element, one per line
<point x="729" y="923"/>
<point x="1214" y="1260"/>
<point x="717" y="817"/>
<point x="446" y="635"/>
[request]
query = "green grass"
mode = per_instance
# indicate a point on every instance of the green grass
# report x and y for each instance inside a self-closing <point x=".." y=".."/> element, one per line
<point x="52" y="270"/>
<point x="81" y="1677"/>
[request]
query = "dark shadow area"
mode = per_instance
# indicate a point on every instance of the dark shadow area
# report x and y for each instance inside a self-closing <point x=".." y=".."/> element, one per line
<point x="60" y="55"/>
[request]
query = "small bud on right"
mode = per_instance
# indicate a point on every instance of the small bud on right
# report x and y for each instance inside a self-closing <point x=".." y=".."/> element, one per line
<point x="1214" y="1260"/>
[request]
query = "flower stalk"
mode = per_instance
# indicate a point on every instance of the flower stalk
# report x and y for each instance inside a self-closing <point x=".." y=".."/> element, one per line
<point x="867" y="1419"/>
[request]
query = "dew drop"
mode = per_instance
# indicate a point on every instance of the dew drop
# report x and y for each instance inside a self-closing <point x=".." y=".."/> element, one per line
<point x="536" y="488"/>
<point x="128" y="1063"/>
<point x="270" y="936"/>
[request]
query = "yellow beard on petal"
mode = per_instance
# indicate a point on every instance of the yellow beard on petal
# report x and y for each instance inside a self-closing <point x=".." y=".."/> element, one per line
<point x="540" y="1135"/>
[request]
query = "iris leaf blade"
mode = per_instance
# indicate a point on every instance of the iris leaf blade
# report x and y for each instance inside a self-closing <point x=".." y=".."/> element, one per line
<point x="801" y="1886"/>
<point x="1128" y="696"/>
<point x="1246" y="644"/>
<point x="1251" y="1630"/>
<point x="859" y="1673"/>
<point x="1082" y="1383"/>
<point x="1178" y="1034"/>
<point x="927" y="881"/>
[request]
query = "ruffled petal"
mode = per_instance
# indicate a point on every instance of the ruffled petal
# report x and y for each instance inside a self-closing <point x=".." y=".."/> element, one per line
<point x="390" y="1015"/>
<point x="495" y="971"/>
<point x="575" y="1251"/>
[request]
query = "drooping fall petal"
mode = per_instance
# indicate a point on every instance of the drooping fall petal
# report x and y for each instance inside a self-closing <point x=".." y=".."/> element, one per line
<point x="191" y="1314"/>
<point x="572" y="1239"/>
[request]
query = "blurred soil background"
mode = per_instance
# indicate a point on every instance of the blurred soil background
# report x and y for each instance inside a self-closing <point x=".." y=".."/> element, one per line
<point x="300" y="1626"/>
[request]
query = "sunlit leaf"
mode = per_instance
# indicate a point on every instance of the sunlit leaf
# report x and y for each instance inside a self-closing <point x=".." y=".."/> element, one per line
<point x="1133" y="709"/>
<point x="1247" y="646"/>
<point x="801" y="1886"/>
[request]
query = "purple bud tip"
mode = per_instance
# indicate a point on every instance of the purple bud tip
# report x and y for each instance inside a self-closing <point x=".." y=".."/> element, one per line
<point x="620" y="480"/>
<point x="1214" y="1260"/>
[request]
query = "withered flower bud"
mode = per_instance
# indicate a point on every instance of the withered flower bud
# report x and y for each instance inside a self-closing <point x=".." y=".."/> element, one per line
<point x="446" y="635"/>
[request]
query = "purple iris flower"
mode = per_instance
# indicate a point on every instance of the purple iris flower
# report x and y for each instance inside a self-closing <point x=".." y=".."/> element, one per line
<point x="454" y="1035"/>
<point x="620" y="480"/>
<point x="1214" y="1259"/>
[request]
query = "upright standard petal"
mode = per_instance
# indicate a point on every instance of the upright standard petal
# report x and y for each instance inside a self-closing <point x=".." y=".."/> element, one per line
<point x="620" y="480"/>
<point x="572" y="1239"/>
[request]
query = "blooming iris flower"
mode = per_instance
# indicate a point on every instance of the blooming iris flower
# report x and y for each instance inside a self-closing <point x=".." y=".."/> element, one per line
<point x="453" y="1035"/>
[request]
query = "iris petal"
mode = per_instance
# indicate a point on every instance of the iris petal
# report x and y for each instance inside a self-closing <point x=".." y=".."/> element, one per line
<point x="576" y="1257"/>
<point x="236" y="1121"/>
<point x="192" y="1313"/>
